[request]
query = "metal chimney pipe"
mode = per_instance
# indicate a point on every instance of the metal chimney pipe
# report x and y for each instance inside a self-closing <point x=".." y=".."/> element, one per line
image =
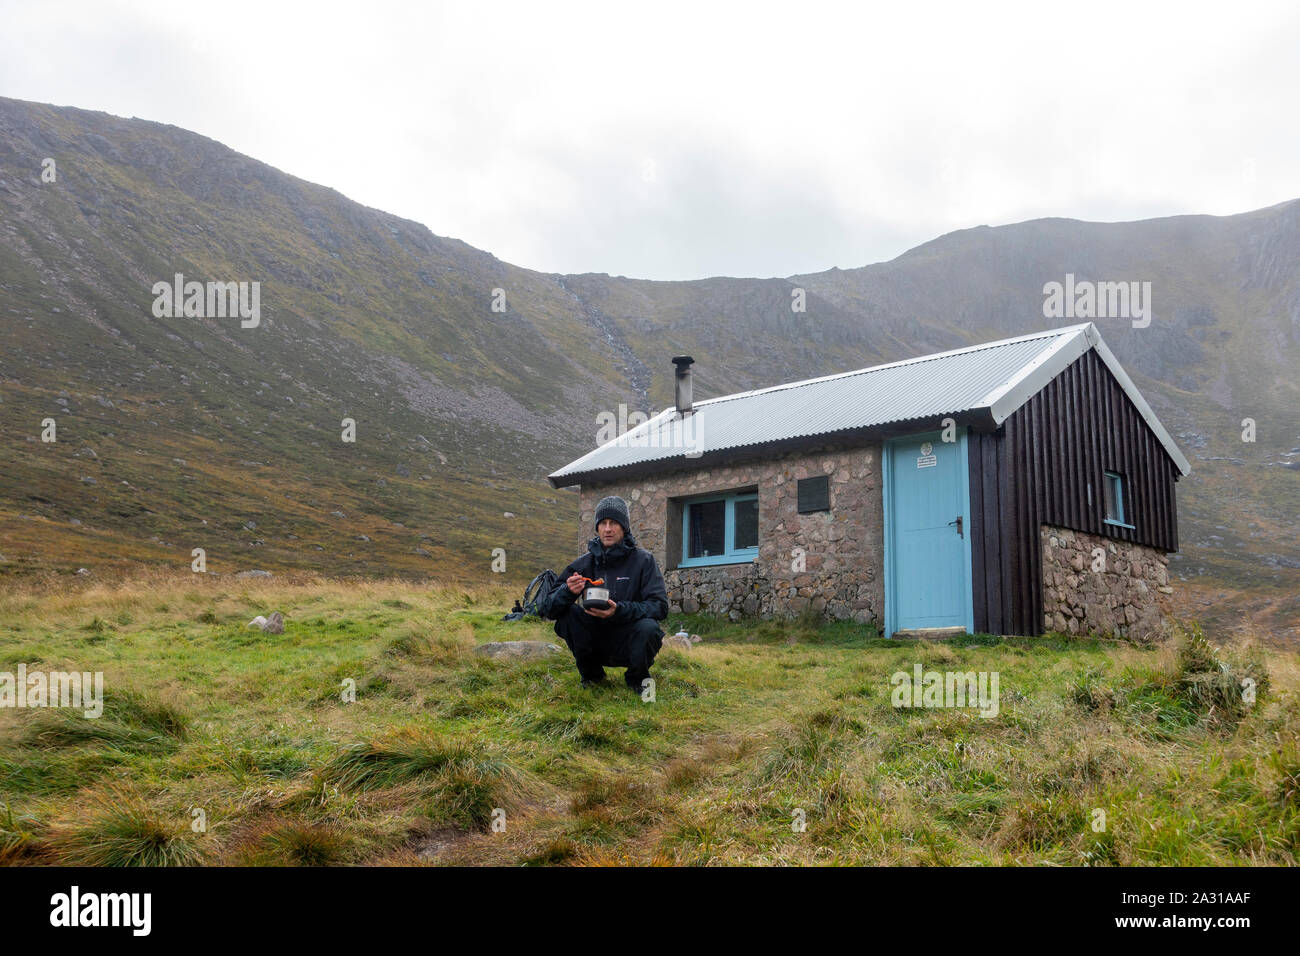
<point x="683" y="383"/>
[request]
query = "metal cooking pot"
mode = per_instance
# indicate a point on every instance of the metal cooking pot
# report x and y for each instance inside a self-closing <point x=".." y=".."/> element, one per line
<point x="596" y="598"/>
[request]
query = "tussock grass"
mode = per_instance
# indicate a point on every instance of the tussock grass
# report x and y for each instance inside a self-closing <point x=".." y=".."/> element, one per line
<point x="120" y="829"/>
<point x="130" y="722"/>
<point x="299" y="843"/>
<point x="612" y="808"/>
<point x="804" y="754"/>
<point x="1194" y="683"/>
<point x="585" y="730"/>
<point x="1090" y="691"/>
<point x="17" y="835"/>
<point x="431" y="648"/>
<point x="56" y="728"/>
<point x="402" y="756"/>
<point x="1286" y="764"/>
<point x="247" y="764"/>
<point x="464" y="781"/>
<point x="682" y="773"/>
<point x="559" y="850"/>
<point x="760" y="720"/>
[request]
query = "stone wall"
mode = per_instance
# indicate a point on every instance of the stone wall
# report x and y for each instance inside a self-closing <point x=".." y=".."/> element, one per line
<point x="839" y="573"/>
<point x="1128" y="598"/>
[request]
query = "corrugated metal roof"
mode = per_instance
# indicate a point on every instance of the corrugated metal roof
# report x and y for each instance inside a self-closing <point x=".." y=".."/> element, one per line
<point x="932" y="386"/>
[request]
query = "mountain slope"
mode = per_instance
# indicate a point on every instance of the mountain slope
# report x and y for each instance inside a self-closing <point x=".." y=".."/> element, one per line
<point x="181" y="433"/>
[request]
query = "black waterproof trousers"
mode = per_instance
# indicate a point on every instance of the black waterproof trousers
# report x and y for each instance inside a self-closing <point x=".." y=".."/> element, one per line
<point x="596" y="643"/>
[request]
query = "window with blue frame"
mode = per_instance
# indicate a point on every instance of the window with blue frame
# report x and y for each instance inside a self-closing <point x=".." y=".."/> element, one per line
<point x="1112" y="491"/>
<point x="720" y="530"/>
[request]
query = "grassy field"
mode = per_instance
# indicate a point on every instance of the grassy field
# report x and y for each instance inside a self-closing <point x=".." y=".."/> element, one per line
<point x="223" y="745"/>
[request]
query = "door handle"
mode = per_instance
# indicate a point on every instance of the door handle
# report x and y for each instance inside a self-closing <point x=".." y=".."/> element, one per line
<point x="957" y="521"/>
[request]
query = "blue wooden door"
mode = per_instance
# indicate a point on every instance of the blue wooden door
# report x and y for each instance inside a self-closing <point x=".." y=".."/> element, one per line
<point x="927" y="533"/>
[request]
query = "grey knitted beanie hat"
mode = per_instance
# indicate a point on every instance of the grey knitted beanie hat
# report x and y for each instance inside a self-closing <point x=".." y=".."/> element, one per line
<point x="616" y="508"/>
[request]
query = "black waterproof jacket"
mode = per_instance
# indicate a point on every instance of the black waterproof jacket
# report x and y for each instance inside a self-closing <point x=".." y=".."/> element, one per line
<point x="630" y="573"/>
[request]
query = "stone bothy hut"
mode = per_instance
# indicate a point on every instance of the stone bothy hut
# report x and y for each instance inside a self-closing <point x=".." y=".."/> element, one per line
<point x="1016" y="487"/>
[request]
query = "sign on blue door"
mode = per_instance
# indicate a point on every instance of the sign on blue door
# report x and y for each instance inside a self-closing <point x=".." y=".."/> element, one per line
<point x="927" y="533"/>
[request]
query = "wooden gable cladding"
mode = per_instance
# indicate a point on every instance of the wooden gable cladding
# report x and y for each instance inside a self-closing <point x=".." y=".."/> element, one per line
<point x="1037" y="468"/>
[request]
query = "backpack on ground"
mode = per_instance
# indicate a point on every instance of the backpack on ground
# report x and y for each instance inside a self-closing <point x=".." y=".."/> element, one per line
<point x="538" y="588"/>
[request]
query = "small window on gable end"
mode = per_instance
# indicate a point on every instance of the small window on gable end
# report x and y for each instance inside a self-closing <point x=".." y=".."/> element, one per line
<point x="1114" y="500"/>
<point x="814" y="494"/>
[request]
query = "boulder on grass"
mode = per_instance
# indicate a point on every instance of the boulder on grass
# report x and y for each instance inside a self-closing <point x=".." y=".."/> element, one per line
<point x="272" y="625"/>
<point x="518" y="650"/>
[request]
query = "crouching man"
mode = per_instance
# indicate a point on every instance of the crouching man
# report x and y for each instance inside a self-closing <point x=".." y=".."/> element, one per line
<point x="626" y="634"/>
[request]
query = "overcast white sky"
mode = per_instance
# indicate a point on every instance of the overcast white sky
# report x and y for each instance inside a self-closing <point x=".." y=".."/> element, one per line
<point x="673" y="141"/>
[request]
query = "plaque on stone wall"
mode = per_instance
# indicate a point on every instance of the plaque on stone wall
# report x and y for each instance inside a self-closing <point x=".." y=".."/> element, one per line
<point x="814" y="494"/>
